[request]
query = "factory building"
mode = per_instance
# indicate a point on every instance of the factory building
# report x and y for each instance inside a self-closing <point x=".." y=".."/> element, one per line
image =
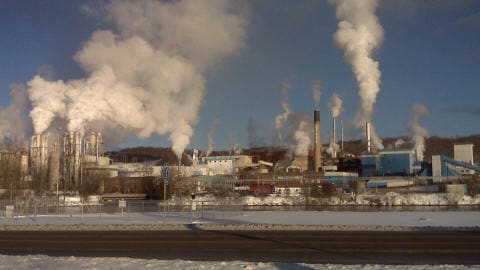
<point x="93" y="159"/>
<point x="230" y="165"/>
<point x="72" y="154"/>
<point x="93" y="145"/>
<point x="63" y="164"/>
<point x="129" y="170"/>
<point x="54" y="167"/>
<point x="39" y="154"/>
<point x="390" y="162"/>
<point x="464" y="153"/>
<point x="445" y="169"/>
<point x="297" y="165"/>
<point x="220" y="165"/>
<point x="340" y="179"/>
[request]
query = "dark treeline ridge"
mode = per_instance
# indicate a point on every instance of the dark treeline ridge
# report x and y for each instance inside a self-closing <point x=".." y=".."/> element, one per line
<point x="434" y="146"/>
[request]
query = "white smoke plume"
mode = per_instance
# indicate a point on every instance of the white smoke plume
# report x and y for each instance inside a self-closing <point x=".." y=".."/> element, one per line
<point x="210" y="135"/>
<point x="299" y="125"/>
<point x="283" y="117"/>
<point x="398" y="143"/>
<point x="359" y="34"/>
<point x="14" y="123"/>
<point x="302" y="140"/>
<point x="316" y="93"/>
<point x="333" y="147"/>
<point x="335" y="105"/>
<point x="147" y="75"/>
<point x="237" y="149"/>
<point x="418" y="132"/>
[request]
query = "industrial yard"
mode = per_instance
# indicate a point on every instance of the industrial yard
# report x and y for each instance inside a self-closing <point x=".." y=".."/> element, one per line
<point x="73" y="169"/>
<point x="139" y="127"/>
<point x="223" y="134"/>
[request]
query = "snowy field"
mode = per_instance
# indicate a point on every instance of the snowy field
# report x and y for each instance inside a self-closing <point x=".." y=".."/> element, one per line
<point x="312" y="220"/>
<point x="241" y="220"/>
<point x="74" y="263"/>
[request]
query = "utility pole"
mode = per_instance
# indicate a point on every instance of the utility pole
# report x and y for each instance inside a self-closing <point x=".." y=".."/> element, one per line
<point x="165" y="182"/>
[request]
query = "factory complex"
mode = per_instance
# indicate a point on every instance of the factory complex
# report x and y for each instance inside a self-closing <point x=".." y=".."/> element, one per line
<point x="76" y="162"/>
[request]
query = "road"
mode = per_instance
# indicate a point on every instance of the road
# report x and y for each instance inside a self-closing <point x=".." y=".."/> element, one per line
<point x="341" y="247"/>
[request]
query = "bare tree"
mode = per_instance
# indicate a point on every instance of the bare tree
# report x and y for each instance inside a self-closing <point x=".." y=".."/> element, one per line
<point x="10" y="172"/>
<point x="92" y="182"/>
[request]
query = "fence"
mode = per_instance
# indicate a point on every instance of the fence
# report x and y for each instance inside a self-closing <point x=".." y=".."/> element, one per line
<point x="33" y="208"/>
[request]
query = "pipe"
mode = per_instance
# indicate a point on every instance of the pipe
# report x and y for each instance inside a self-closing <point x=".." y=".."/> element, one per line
<point x="334" y="139"/>
<point x="341" y="128"/>
<point x="318" y="142"/>
<point x="369" y="137"/>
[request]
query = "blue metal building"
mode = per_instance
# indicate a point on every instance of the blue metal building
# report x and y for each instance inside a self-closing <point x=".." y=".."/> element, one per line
<point x="390" y="162"/>
<point x="340" y="179"/>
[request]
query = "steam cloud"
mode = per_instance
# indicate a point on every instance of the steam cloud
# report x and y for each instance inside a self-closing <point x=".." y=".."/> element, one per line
<point x="210" y="135"/>
<point x="333" y="147"/>
<point x="335" y="105"/>
<point x="283" y="117"/>
<point x="316" y="93"/>
<point x="302" y="139"/>
<point x="399" y="143"/>
<point x="359" y="34"/>
<point x="418" y="132"/>
<point x="14" y="123"/>
<point x="146" y="76"/>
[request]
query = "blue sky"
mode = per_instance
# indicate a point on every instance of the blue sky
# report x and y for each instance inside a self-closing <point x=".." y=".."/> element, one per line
<point x="430" y="55"/>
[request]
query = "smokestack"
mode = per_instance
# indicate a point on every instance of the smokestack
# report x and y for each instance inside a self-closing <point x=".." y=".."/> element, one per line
<point x="341" y="128"/>
<point x="359" y="33"/>
<point x="369" y="138"/>
<point x="318" y="142"/>
<point x="334" y="139"/>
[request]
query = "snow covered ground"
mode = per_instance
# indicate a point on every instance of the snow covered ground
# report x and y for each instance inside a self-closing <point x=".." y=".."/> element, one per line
<point x="229" y="220"/>
<point x="379" y="199"/>
<point x="258" y="219"/>
<point x="74" y="263"/>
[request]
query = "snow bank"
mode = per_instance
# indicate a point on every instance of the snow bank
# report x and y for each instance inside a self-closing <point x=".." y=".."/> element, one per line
<point x="383" y="199"/>
<point x="74" y="263"/>
<point x="77" y="200"/>
<point x="396" y="199"/>
<point x="273" y="200"/>
<point x="431" y="199"/>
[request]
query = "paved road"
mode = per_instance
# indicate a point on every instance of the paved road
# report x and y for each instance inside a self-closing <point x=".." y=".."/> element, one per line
<point x="286" y="246"/>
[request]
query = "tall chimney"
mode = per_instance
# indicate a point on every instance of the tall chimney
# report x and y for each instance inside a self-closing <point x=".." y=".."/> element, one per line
<point x="318" y="142"/>
<point x="334" y="139"/>
<point x="341" y="128"/>
<point x="369" y="138"/>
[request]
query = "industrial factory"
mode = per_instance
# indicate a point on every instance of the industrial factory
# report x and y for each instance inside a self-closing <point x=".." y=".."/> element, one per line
<point x="55" y="164"/>
<point x="62" y="164"/>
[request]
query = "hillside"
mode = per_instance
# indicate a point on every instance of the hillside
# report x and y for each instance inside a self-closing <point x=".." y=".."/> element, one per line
<point x="434" y="146"/>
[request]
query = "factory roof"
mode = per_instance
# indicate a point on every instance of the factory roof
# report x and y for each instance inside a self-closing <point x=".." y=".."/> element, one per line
<point x="391" y="151"/>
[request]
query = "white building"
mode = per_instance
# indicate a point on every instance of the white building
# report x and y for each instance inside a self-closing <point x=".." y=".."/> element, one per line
<point x="463" y="153"/>
<point x="220" y="165"/>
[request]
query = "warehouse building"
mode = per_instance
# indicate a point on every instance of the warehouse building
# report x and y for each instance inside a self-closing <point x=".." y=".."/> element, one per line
<point x="390" y="162"/>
